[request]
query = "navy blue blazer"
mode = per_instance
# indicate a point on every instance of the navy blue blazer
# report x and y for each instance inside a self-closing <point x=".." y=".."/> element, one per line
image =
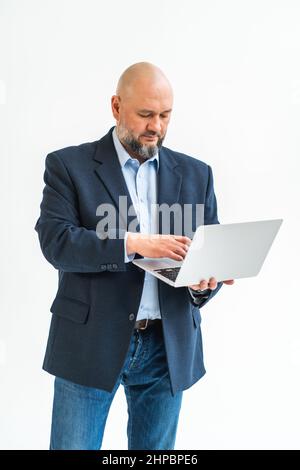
<point x="97" y="301"/>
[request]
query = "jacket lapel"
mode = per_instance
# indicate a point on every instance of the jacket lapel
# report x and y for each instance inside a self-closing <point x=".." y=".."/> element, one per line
<point x="110" y="173"/>
<point x="169" y="182"/>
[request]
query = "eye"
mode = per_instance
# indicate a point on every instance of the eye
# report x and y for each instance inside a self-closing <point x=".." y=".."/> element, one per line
<point x="145" y="115"/>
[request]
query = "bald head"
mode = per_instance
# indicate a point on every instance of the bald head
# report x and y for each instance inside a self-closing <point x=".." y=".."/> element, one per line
<point x="142" y="76"/>
<point x="142" y="108"/>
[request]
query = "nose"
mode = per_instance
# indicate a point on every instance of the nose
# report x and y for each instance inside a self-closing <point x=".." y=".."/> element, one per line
<point x="154" y="125"/>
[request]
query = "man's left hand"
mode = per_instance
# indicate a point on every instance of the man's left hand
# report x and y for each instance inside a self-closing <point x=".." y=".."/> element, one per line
<point x="211" y="284"/>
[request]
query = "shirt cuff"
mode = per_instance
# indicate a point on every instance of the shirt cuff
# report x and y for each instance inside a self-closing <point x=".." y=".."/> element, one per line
<point x="127" y="259"/>
<point x="204" y="294"/>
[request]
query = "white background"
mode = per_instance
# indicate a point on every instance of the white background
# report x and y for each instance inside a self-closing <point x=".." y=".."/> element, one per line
<point x="235" y="69"/>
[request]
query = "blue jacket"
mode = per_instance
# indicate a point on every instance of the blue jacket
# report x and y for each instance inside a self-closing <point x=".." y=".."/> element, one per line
<point x="98" y="295"/>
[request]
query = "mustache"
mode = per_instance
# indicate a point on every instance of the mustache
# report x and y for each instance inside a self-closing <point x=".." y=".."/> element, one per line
<point x="152" y="134"/>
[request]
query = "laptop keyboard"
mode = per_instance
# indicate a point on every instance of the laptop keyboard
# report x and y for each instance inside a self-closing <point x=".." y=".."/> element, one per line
<point x="169" y="273"/>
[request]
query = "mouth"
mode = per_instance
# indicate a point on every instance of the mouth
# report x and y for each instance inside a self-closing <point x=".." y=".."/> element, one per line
<point x="150" y="137"/>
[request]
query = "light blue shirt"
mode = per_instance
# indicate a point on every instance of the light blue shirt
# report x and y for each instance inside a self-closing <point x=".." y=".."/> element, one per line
<point x="141" y="181"/>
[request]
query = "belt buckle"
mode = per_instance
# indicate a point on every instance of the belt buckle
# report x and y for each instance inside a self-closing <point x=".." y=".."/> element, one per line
<point x="145" y="325"/>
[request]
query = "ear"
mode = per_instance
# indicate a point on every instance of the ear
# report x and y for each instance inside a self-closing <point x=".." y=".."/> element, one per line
<point x="115" y="107"/>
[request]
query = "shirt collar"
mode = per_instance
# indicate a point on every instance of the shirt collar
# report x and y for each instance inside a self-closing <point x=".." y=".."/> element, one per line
<point x="124" y="156"/>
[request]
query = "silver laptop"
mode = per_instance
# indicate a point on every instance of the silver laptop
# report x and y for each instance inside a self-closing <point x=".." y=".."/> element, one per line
<point x="223" y="251"/>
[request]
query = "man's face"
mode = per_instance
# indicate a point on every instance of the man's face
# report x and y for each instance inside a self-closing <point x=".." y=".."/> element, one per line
<point x="143" y="118"/>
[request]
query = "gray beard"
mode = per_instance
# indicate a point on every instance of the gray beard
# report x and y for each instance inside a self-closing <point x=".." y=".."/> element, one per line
<point x="144" y="151"/>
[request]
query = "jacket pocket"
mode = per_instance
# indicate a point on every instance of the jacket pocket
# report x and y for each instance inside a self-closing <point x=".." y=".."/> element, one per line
<point x="71" y="309"/>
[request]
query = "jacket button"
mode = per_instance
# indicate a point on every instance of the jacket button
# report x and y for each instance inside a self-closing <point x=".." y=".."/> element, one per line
<point x="131" y="317"/>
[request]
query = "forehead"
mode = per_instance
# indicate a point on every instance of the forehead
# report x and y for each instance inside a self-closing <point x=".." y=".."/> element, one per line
<point x="149" y="96"/>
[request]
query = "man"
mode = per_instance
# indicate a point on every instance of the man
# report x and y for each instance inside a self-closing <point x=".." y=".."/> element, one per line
<point x="111" y="323"/>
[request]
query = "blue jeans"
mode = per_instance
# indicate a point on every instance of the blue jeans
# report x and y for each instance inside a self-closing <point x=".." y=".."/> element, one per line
<point x="80" y="413"/>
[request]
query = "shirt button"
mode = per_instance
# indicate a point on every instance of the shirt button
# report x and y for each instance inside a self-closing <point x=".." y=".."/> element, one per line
<point x="131" y="317"/>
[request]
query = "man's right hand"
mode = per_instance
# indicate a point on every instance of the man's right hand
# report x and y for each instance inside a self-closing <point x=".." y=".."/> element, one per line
<point x="158" y="246"/>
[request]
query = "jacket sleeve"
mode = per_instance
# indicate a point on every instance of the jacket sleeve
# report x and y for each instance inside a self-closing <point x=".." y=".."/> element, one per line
<point x="210" y="217"/>
<point x="64" y="242"/>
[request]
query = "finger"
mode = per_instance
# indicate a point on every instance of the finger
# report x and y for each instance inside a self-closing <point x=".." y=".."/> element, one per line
<point x="176" y="242"/>
<point x="179" y="251"/>
<point x="172" y="255"/>
<point x="229" y="282"/>
<point x="175" y="249"/>
<point x="183" y="239"/>
<point x="203" y="285"/>
<point x="178" y="247"/>
<point x="182" y="245"/>
<point x="212" y="283"/>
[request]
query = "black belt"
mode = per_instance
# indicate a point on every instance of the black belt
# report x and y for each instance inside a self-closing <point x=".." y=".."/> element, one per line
<point x="143" y="324"/>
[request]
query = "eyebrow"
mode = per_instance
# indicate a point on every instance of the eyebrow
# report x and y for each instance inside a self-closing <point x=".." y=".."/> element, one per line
<point x="150" y="111"/>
